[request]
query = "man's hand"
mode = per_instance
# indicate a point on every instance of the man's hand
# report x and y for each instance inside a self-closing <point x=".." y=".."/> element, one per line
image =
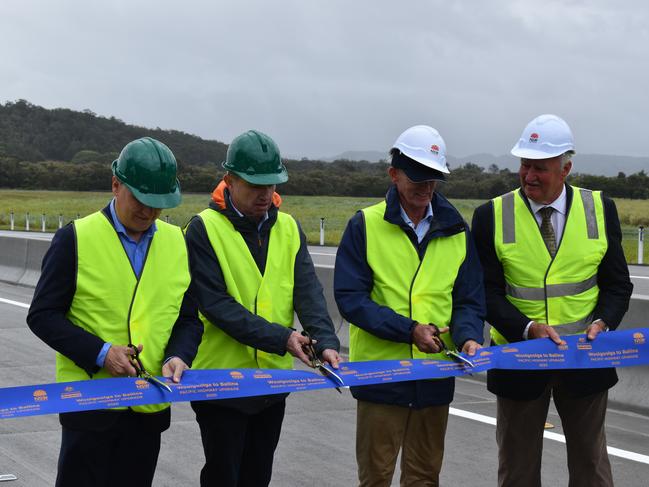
<point x="540" y="330"/>
<point x="470" y="347"/>
<point x="595" y="329"/>
<point x="426" y="339"/>
<point x="331" y="357"/>
<point x="118" y="361"/>
<point x="174" y="368"/>
<point x="294" y="346"/>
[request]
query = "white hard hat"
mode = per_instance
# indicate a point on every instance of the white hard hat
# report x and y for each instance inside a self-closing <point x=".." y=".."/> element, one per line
<point x="544" y="137"/>
<point x="424" y="145"/>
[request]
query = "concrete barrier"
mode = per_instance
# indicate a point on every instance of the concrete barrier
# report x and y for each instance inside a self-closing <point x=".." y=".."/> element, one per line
<point x="20" y="260"/>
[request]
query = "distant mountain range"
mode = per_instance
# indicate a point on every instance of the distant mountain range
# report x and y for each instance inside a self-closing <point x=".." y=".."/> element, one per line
<point x="599" y="164"/>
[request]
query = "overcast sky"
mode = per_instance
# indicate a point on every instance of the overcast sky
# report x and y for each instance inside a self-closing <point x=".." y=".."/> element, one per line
<point x="323" y="77"/>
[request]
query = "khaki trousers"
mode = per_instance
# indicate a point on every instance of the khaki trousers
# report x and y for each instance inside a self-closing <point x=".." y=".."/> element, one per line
<point x="519" y="434"/>
<point x="382" y="430"/>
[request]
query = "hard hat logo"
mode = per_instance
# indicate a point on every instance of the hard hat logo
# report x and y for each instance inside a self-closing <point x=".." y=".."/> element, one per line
<point x="534" y="138"/>
<point x="434" y="149"/>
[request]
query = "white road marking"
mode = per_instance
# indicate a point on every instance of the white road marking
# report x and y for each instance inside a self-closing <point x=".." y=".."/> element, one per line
<point x="639" y="277"/>
<point x="616" y="452"/>
<point x="15" y="303"/>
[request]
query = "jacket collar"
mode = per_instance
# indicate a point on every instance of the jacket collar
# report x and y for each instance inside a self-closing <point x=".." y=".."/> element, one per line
<point x="445" y="216"/>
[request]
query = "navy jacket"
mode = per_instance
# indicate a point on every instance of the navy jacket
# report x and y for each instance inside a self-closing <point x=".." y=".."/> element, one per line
<point x="353" y="282"/>
<point x="615" y="290"/>
<point x="47" y="319"/>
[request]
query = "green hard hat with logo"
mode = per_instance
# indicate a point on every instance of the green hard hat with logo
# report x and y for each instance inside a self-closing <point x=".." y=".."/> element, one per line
<point x="148" y="168"/>
<point x="254" y="157"/>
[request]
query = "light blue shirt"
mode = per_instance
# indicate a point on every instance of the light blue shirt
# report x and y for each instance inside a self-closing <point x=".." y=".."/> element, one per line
<point x="421" y="229"/>
<point x="136" y="252"/>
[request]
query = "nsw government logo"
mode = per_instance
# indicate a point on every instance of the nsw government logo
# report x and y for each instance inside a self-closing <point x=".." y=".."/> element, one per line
<point x="434" y="149"/>
<point x="141" y="384"/>
<point x="534" y="138"/>
<point x="638" y="338"/>
<point x="235" y="374"/>
<point x="40" y="395"/>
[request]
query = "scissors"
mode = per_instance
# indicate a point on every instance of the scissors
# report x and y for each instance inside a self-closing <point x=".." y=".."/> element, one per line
<point x="447" y="351"/>
<point x="317" y="364"/>
<point x="141" y="371"/>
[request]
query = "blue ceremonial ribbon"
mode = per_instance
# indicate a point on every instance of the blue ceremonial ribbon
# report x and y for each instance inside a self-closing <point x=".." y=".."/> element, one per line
<point x="613" y="349"/>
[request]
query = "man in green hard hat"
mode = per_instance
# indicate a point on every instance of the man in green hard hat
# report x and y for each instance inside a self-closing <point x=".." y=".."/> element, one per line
<point x="251" y="271"/>
<point x="113" y="289"/>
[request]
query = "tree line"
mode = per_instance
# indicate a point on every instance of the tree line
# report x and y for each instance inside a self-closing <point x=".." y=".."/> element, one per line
<point x="63" y="149"/>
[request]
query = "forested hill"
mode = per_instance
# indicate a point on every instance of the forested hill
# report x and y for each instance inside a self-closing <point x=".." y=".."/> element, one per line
<point x="61" y="149"/>
<point x="32" y="133"/>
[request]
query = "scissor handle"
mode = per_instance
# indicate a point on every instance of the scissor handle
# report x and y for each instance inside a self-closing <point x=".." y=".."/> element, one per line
<point x="135" y="358"/>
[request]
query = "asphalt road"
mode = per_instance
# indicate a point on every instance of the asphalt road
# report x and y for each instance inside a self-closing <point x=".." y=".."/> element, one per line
<point x="317" y="443"/>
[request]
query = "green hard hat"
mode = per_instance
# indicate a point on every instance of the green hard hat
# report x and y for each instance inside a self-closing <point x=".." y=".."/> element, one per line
<point x="148" y="168"/>
<point x="254" y="156"/>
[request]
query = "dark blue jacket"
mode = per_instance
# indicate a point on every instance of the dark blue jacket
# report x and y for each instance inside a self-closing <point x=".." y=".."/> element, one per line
<point x="353" y="282"/>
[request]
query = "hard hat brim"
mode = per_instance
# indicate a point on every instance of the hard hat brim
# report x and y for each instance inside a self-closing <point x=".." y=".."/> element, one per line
<point x="415" y="170"/>
<point x="525" y="153"/>
<point x="263" y="179"/>
<point x="159" y="201"/>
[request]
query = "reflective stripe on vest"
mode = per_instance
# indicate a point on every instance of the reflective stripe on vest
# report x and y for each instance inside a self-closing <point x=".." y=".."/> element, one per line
<point x="111" y="303"/>
<point x="269" y="295"/>
<point x="419" y="289"/>
<point x="560" y="291"/>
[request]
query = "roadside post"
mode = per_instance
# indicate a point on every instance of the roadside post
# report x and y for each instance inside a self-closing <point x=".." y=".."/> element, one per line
<point x="11" y="220"/>
<point x="27" y="222"/>
<point x="60" y="220"/>
<point x="43" y="220"/>
<point x="640" y="244"/>
<point x="322" y="225"/>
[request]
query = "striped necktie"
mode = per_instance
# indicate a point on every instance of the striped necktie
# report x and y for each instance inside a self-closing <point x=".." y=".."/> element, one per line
<point x="547" y="230"/>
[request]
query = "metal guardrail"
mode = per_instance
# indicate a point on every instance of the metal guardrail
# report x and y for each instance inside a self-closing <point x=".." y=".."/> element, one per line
<point x="29" y="222"/>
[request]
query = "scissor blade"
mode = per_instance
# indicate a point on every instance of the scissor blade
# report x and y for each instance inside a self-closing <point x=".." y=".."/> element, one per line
<point x="459" y="358"/>
<point x="331" y="375"/>
<point x="154" y="380"/>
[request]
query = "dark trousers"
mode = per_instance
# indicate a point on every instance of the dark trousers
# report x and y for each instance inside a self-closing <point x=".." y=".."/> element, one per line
<point x="239" y="447"/>
<point x="124" y="454"/>
<point x="519" y="434"/>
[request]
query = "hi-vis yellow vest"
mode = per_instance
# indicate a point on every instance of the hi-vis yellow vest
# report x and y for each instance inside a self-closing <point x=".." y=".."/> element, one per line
<point x="419" y="289"/>
<point x="269" y="295"/>
<point x="113" y="304"/>
<point x="560" y="291"/>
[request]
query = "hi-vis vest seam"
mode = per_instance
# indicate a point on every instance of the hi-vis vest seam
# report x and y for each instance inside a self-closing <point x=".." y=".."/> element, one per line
<point x="111" y="302"/>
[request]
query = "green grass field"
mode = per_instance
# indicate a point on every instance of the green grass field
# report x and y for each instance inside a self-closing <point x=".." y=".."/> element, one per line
<point x="336" y="211"/>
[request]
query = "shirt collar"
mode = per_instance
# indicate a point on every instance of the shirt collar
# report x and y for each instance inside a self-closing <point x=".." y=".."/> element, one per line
<point x="427" y="216"/>
<point x="558" y="205"/>
<point x="120" y="228"/>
